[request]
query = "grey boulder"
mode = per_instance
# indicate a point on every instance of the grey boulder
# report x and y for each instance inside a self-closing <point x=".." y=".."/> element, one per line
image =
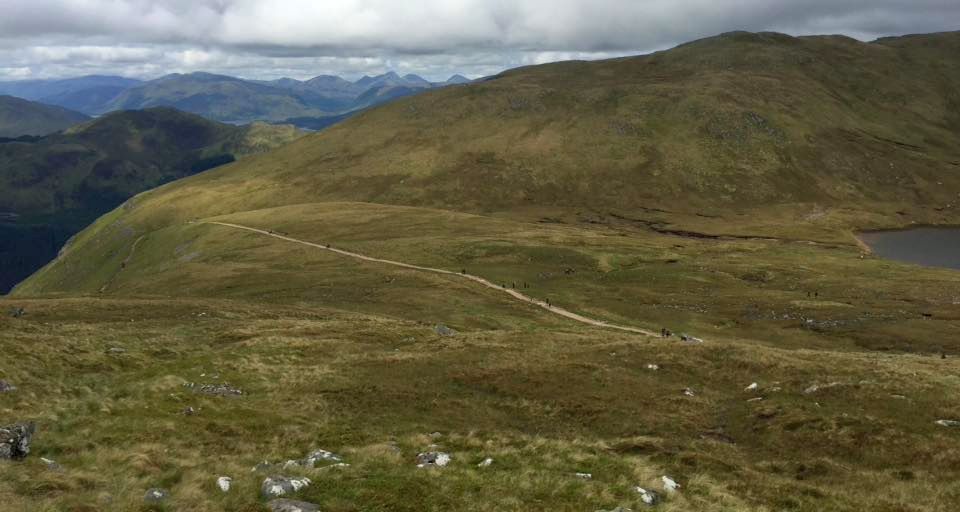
<point x="285" y="505"/>
<point x="275" y="486"/>
<point x="443" y="330"/>
<point x="15" y="440"/>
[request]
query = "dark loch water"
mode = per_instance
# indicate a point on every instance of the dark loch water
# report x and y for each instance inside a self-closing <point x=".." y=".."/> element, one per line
<point x="928" y="246"/>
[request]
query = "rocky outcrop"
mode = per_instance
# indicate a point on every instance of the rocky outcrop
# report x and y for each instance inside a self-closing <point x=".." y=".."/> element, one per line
<point x="275" y="486"/>
<point x="15" y="440"/>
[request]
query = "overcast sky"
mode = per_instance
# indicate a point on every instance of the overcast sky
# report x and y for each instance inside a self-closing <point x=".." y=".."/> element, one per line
<point x="434" y="38"/>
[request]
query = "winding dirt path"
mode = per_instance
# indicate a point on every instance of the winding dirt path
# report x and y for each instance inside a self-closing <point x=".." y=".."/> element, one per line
<point x="513" y="293"/>
<point x="123" y="265"/>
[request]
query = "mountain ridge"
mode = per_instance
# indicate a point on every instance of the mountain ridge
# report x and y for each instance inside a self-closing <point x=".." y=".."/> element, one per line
<point x="23" y="117"/>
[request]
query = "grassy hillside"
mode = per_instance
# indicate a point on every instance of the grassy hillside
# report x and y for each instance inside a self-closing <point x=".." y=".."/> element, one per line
<point x="54" y="186"/>
<point x="711" y="189"/>
<point x="21" y="117"/>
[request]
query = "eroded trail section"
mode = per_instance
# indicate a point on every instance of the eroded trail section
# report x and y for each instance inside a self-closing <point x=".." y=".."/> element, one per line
<point x="513" y="293"/>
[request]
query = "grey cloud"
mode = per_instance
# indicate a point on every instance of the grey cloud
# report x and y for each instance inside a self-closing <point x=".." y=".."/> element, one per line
<point x="266" y="38"/>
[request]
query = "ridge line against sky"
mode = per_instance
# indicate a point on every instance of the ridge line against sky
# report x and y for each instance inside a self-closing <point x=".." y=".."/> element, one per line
<point x="267" y="39"/>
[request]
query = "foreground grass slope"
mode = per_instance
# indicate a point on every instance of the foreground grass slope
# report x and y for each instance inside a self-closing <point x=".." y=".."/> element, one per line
<point x="109" y="400"/>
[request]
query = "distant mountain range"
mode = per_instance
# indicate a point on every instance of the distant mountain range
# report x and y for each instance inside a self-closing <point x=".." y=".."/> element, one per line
<point x="319" y="101"/>
<point x="22" y="117"/>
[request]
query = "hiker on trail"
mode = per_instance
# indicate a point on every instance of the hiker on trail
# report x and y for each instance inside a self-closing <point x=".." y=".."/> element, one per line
<point x="548" y="301"/>
<point x="463" y="271"/>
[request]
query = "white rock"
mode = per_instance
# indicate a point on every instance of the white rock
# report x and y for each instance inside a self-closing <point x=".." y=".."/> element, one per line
<point x="585" y="476"/>
<point x="653" y="367"/>
<point x="948" y="423"/>
<point x="485" y="462"/>
<point x="648" y="497"/>
<point x="669" y="484"/>
<point x="224" y="483"/>
<point x="299" y="483"/>
<point x="752" y="387"/>
<point x="433" y="459"/>
<point x="688" y="392"/>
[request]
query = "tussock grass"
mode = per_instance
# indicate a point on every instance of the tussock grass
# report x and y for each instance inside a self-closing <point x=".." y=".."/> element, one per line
<point x="543" y="404"/>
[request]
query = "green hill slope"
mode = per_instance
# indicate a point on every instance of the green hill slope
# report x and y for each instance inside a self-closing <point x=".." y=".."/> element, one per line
<point x="710" y="189"/>
<point x="20" y="117"/>
<point x="54" y="186"/>
<point x="750" y="138"/>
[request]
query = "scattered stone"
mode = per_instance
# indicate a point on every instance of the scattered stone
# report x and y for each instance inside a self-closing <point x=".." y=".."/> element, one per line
<point x="618" y="509"/>
<point x="51" y="464"/>
<point x="752" y="387"/>
<point x="433" y="459"/>
<point x="817" y="387"/>
<point x="653" y="367"/>
<point x="690" y="339"/>
<point x="6" y="387"/>
<point x="316" y="456"/>
<point x="224" y="483"/>
<point x="485" y="462"/>
<point x="310" y="461"/>
<point x="188" y="411"/>
<point x="648" y="496"/>
<point x="15" y="440"/>
<point x="948" y="423"/>
<point x="688" y="392"/>
<point x="116" y="351"/>
<point x="669" y="484"/>
<point x="219" y="390"/>
<point x="584" y="476"/>
<point x="443" y="330"/>
<point x="156" y="495"/>
<point x="17" y="312"/>
<point x="898" y="397"/>
<point x="436" y="435"/>
<point x="275" y="486"/>
<point x="755" y="399"/>
<point x="285" y="505"/>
